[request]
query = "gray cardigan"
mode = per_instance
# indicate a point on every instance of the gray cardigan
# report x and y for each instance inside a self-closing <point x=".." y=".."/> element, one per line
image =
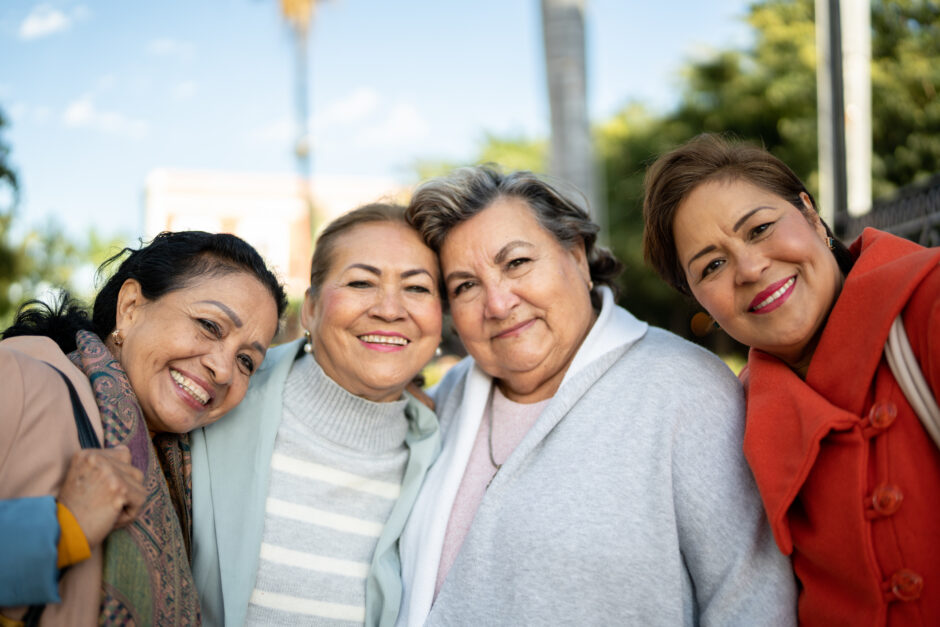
<point x="629" y="502"/>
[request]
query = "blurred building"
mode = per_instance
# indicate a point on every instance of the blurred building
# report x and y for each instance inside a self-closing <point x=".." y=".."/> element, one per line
<point x="267" y="210"/>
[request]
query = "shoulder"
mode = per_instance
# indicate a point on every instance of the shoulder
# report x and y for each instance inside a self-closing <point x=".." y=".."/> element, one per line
<point x="448" y="394"/>
<point x="676" y="360"/>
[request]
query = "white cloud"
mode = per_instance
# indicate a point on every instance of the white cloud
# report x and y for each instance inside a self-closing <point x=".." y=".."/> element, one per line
<point x="83" y="113"/>
<point x="43" y="21"/>
<point x="402" y="124"/>
<point x="355" y="107"/>
<point x="183" y="91"/>
<point x="165" y="47"/>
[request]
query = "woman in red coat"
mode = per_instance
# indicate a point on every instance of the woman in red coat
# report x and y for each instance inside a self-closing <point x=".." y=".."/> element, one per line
<point x="848" y="475"/>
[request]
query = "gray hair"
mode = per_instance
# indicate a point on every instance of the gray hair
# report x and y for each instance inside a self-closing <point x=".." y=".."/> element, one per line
<point x="440" y="204"/>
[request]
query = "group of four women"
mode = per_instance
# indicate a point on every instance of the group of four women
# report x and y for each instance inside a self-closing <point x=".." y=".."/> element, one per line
<point x="582" y="467"/>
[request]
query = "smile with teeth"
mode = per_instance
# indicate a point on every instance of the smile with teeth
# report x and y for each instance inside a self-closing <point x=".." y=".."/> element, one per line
<point x="384" y="339"/>
<point x="194" y="389"/>
<point x="777" y="294"/>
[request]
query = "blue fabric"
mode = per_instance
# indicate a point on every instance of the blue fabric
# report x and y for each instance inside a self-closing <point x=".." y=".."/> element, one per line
<point x="29" y="547"/>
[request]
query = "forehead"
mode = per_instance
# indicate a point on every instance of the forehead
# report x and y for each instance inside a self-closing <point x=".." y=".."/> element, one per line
<point x="503" y="220"/>
<point x="388" y="246"/>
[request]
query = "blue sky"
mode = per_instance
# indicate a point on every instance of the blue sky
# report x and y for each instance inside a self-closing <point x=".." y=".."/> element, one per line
<point x="99" y="93"/>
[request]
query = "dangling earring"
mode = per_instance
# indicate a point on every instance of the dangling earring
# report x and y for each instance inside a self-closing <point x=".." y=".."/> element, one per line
<point x="308" y="347"/>
<point x="702" y="324"/>
<point x="116" y="337"/>
<point x="830" y="243"/>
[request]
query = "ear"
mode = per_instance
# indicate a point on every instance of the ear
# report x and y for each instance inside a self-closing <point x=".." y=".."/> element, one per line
<point x="580" y="258"/>
<point x="129" y="302"/>
<point x="308" y="309"/>
<point x="812" y="216"/>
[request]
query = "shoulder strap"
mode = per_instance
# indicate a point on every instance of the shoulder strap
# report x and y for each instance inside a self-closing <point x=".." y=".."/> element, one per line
<point x="87" y="438"/>
<point x="907" y="373"/>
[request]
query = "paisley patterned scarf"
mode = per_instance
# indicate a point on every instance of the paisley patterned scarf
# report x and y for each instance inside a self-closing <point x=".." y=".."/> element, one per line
<point x="147" y="578"/>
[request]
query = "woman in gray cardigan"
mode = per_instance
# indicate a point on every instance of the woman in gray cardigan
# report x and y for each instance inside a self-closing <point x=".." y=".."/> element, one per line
<point x="301" y="495"/>
<point x="591" y="470"/>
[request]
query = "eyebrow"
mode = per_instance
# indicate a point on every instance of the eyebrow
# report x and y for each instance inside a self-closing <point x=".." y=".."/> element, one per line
<point x="737" y="225"/>
<point x="377" y="272"/>
<point x="228" y="311"/>
<point x="499" y="258"/>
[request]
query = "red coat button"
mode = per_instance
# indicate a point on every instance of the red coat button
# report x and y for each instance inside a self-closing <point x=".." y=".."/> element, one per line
<point x="886" y="499"/>
<point x="882" y="414"/>
<point x="907" y="585"/>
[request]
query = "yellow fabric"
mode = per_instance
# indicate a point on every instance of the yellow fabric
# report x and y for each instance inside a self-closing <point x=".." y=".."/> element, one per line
<point x="6" y="621"/>
<point x="73" y="546"/>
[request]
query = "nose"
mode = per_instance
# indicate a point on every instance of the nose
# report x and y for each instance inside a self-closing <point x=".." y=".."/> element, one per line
<point x="388" y="306"/>
<point x="221" y="364"/>
<point x="500" y="301"/>
<point x="749" y="266"/>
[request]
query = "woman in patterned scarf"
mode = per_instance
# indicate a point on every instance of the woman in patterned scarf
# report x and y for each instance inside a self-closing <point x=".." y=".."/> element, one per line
<point x="174" y="336"/>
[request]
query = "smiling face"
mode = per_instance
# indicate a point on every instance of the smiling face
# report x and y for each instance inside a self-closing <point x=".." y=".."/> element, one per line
<point x="189" y="354"/>
<point x="519" y="299"/>
<point x="759" y="266"/>
<point x="376" y="319"/>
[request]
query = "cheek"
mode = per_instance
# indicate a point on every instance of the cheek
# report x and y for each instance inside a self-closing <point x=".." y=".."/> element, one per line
<point x="466" y="319"/>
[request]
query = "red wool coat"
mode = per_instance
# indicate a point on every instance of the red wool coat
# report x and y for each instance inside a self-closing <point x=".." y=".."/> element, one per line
<point x="849" y="477"/>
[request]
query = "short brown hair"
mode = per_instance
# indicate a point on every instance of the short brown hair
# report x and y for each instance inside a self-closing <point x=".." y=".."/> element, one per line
<point x="326" y="241"/>
<point x="440" y="204"/>
<point x="707" y="157"/>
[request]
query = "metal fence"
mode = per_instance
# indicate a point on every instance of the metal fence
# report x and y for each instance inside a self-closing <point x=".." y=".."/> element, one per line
<point x="913" y="212"/>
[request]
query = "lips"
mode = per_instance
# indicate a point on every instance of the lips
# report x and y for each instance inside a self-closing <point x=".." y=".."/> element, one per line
<point x="384" y="342"/>
<point x="514" y="330"/>
<point x="773" y="296"/>
<point x="193" y="389"/>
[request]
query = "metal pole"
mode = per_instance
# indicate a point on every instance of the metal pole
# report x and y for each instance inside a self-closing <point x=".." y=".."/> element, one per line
<point x="839" y="184"/>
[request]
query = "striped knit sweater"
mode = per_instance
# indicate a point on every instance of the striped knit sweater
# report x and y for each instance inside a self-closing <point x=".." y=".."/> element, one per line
<point x="335" y="474"/>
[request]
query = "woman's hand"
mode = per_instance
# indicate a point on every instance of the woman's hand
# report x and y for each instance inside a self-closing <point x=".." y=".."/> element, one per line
<point x="103" y="491"/>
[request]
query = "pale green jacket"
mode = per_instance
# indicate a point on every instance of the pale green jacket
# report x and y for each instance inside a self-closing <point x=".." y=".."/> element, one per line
<point x="231" y="469"/>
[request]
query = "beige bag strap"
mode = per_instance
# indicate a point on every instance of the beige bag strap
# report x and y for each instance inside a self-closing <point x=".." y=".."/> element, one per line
<point x="907" y="373"/>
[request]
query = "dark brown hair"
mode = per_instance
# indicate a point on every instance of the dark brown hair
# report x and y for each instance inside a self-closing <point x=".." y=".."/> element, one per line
<point x="710" y="157"/>
<point x="440" y="204"/>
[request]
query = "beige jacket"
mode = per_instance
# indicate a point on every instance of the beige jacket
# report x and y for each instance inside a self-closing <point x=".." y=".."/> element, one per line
<point x="37" y="440"/>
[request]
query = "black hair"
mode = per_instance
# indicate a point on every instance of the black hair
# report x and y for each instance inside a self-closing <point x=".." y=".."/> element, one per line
<point x="168" y="263"/>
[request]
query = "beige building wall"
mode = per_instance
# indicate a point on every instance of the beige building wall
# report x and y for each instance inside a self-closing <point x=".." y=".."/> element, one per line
<point x="267" y="210"/>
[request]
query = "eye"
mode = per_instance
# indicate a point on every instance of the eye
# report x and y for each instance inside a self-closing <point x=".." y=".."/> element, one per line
<point x="247" y="363"/>
<point x="359" y="284"/>
<point x="417" y="289"/>
<point x="711" y="267"/>
<point x="463" y="287"/>
<point x="760" y="229"/>
<point x="518" y="262"/>
<point x="210" y="326"/>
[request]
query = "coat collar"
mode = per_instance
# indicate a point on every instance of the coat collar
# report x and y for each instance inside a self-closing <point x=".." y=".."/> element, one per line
<point x="786" y="417"/>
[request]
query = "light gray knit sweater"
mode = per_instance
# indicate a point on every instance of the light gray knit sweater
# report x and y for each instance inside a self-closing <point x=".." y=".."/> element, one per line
<point x="628" y="503"/>
<point x="336" y="472"/>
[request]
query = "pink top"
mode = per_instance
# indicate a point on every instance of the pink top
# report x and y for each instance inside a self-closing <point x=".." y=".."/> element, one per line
<point x="511" y="421"/>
